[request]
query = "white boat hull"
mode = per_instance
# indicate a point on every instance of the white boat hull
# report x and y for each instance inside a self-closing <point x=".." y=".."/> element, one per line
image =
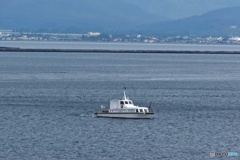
<point x="125" y="115"/>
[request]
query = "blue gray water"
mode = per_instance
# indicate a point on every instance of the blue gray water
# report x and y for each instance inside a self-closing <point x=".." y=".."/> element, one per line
<point x="48" y="101"/>
<point x="119" y="46"/>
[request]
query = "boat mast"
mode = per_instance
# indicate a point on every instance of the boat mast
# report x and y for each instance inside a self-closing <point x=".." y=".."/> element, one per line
<point x="124" y="94"/>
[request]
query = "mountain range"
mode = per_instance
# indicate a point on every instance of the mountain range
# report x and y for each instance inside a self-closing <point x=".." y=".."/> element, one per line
<point x="220" y="22"/>
<point x="165" y="17"/>
<point x="73" y="15"/>
<point x="176" y="9"/>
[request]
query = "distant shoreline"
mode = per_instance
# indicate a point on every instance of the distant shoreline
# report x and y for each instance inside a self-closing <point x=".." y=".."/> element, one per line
<point x="16" y="49"/>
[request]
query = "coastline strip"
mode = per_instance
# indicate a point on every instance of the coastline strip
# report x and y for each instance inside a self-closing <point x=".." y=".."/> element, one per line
<point x="14" y="49"/>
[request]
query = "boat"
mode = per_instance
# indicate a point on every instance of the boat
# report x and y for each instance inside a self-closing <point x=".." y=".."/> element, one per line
<point x="124" y="108"/>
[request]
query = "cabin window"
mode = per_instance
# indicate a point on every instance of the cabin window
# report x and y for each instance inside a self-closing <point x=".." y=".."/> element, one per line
<point x="136" y="110"/>
<point x="130" y="102"/>
<point x="121" y="102"/>
<point x="140" y="110"/>
<point x="126" y="102"/>
<point x="145" y="110"/>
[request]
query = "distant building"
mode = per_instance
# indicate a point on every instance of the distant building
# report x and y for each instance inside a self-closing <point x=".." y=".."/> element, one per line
<point x="94" y="34"/>
<point x="234" y="39"/>
<point x="233" y="27"/>
<point x="139" y="36"/>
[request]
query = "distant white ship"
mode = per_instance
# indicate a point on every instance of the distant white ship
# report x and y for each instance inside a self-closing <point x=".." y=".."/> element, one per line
<point x="125" y="108"/>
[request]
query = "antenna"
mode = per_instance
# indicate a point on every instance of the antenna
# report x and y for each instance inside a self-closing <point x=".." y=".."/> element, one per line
<point x="150" y="107"/>
<point x="124" y="94"/>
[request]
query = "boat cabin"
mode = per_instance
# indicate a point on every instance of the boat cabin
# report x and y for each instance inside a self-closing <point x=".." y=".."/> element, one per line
<point x="126" y="105"/>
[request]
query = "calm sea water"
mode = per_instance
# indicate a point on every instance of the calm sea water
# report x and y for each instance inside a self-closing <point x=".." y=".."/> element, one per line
<point x="119" y="46"/>
<point x="48" y="101"/>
